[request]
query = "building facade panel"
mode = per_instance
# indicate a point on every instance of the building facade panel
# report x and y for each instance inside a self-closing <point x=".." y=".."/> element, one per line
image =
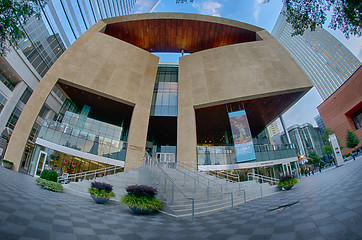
<point x="259" y="73"/>
<point x="342" y="107"/>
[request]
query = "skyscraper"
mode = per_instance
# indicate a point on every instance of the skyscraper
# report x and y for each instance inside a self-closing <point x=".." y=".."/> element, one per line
<point x="326" y="61"/>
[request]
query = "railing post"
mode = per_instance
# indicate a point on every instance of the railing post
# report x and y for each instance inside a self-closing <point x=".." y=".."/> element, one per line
<point x="261" y="191"/>
<point x="193" y="210"/>
<point x="165" y="185"/>
<point x="232" y="201"/>
<point x="159" y="182"/>
<point x="173" y="186"/>
<point x="208" y="189"/>
<point x="194" y="186"/>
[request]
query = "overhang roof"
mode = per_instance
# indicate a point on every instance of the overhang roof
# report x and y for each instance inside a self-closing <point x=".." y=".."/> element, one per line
<point x="174" y="35"/>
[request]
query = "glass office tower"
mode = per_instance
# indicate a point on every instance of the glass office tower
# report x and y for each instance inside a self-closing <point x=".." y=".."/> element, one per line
<point x="325" y="60"/>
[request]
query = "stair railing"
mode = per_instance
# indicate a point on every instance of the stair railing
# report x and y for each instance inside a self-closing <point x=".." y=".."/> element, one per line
<point x="163" y="178"/>
<point x="101" y="172"/>
<point x="199" y="177"/>
<point x="262" y="178"/>
<point x="228" y="176"/>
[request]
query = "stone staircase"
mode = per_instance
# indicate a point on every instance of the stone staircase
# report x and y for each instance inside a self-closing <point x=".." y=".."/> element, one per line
<point x="119" y="181"/>
<point x="178" y="188"/>
<point x="209" y="192"/>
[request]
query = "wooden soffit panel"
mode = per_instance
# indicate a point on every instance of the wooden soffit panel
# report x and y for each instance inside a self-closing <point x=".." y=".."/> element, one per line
<point x="174" y="35"/>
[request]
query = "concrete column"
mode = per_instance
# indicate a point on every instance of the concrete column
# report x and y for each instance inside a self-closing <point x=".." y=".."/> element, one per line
<point x="285" y="129"/>
<point x="19" y="137"/>
<point x="10" y="105"/>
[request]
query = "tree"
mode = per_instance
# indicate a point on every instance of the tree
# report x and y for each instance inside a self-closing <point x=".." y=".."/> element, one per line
<point x="14" y="14"/>
<point x="327" y="149"/>
<point x="308" y="14"/>
<point x="351" y="139"/>
<point x="313" y="158"/>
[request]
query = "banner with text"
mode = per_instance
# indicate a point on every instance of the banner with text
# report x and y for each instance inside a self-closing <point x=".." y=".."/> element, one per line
<point x="244" y="148"/>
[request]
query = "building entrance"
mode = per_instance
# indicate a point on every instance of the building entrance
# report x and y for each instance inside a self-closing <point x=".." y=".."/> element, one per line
<point x="40" y="163"/>
<point x="165" y="157"/>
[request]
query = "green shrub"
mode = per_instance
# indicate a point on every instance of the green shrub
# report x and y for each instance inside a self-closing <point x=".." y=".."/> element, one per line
<point x="287" y="180"/>
<point x="52" y="176"/>
<point x="44" y="174"/>
<point x="8" y="162"/>
<point x="50" y="185"/>
<point x="101" y="193"/>
<point x="142" y="202"/>
<point x="39" y="180"/>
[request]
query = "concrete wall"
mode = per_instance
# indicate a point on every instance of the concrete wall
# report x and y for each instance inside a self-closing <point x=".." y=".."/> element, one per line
<point x="103" y="65"/>
<point x="229" y="74"/>
<point x="335" y="111"/>
<point x="115" y="69"/>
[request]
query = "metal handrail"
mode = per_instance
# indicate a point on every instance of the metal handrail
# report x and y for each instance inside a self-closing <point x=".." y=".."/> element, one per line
<point x="208" y="173"/>
<point x="87" y="175"/>
<point x="217" y="173"/>
<point x="208" y="180"/>
<point x="92" y="174"/>
<point x="152" y="163"/>
<point x="263" y="178"/>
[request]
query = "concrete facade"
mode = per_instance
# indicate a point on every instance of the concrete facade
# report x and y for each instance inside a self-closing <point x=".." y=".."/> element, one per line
<point x="336" y="110"/>
<point x="115" y="69"/>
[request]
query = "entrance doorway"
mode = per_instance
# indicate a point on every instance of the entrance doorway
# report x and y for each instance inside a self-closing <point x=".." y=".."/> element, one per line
<point x="165" y="157"/>
<point x="40" y="163"/>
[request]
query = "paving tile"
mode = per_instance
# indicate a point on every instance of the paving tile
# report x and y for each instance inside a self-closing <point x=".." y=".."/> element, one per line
<point x="330" y="207"/>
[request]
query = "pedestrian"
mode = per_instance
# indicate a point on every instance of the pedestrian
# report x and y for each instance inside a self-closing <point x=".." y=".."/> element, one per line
<point x="305" y="172"/>
<point x="353" y="157"/>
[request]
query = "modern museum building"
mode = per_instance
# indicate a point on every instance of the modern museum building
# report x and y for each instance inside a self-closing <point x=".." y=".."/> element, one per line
<point x="210" y="109"/>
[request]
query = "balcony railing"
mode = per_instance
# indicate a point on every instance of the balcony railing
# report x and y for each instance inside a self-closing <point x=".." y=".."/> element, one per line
<point x="223" y="155"/>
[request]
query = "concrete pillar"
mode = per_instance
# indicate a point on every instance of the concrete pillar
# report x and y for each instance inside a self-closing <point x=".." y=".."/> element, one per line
<point x="10" y="105"/>
<point x="285" y="129"/>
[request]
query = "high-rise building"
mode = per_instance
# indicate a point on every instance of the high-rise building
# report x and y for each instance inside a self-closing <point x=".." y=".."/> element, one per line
<point x="320" y="123"/>
<point x="306" y="138"/>
<point x="273" y="129"/>
<point x="61" y="22"/>
<point x="325" y="60"/>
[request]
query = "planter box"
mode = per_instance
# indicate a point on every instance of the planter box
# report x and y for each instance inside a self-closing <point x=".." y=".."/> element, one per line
<point x="7" y="165"/>
<point x="99" y="199"/>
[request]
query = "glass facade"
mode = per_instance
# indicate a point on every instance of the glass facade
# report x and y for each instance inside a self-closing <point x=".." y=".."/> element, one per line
<point x="3" y="101"/>
<point x="86" y="135"/>
<point x="357" y="119"/>
<point x="306" y="138"/>
<point x="6" y="80"/>
<point x="326" y="61"/>
<point x="164" y="99"/>
<point x="63" y="163"/>
<point x="222" y="155"/>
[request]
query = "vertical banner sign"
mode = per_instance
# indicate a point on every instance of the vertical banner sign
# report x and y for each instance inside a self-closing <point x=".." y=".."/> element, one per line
<point x="244" y="148"/>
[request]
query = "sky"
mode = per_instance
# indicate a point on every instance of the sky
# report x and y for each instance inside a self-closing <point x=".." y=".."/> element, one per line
<point x="263" y="15"/>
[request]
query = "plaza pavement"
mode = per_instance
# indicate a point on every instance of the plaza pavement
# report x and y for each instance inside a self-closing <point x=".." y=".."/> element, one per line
<point x="329" y="207"/>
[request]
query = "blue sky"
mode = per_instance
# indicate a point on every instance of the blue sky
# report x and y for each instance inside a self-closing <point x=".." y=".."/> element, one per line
<point x="257" y="13"/>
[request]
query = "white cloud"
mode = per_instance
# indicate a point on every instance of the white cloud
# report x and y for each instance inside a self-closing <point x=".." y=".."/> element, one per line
<point x="144" y="6"/>
<point x="257" y="9"/>
<point x="208" y="8"/>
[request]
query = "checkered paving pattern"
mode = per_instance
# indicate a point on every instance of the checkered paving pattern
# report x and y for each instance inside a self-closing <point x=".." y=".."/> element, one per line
<point x="329" y="207"/>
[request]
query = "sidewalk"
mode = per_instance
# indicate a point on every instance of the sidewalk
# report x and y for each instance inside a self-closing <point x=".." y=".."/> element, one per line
<point x="325" y="206"/>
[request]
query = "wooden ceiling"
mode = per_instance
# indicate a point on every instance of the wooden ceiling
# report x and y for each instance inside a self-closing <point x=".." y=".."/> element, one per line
<point x="260" y="112"/>
<point x="174" y="35"/>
